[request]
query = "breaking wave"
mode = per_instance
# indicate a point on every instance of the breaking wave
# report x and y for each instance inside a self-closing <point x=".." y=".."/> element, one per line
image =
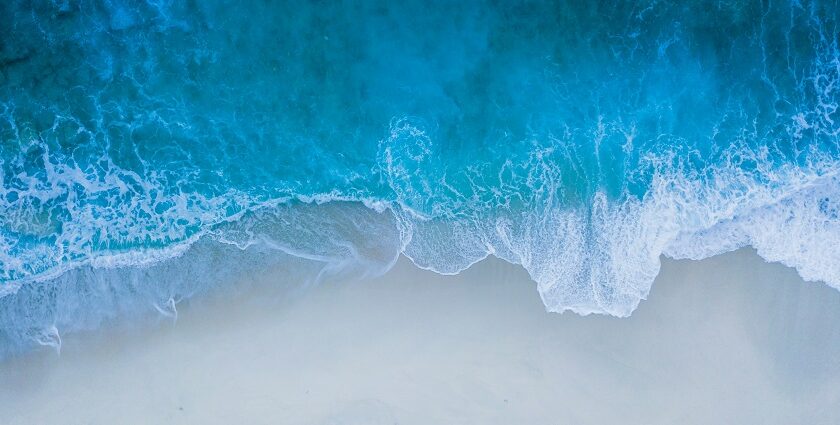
<point x="153" y="151"/>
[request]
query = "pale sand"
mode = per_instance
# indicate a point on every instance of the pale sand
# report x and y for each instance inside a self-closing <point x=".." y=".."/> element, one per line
<point x="729" y="340"/>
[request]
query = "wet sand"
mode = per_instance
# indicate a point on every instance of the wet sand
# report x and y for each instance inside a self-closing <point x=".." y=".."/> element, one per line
<point x="730" y="339"/>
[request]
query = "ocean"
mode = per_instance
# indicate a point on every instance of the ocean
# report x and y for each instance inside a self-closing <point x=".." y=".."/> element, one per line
<point x="153" y="150"/>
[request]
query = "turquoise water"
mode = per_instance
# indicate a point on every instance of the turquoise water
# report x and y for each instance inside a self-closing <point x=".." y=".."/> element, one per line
<point x="150" y="150"/>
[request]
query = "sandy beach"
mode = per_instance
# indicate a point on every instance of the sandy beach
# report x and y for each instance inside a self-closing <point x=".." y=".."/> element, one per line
<point x="730" y="339"/>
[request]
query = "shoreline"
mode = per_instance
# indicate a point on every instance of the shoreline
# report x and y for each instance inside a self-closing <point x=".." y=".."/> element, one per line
<point x="726" y="339"/>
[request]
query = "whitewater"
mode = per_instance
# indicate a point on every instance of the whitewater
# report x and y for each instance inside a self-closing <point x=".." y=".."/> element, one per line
<point x="151" y="151"/>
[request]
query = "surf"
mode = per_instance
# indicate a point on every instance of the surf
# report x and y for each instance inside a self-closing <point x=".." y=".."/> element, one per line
<point x="153" y="152"/>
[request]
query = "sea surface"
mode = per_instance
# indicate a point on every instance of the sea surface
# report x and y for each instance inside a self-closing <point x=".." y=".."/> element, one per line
<point x="153" y="150"/>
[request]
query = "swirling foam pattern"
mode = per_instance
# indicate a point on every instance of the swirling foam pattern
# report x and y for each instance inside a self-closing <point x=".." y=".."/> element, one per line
<point x="153" y="149"/>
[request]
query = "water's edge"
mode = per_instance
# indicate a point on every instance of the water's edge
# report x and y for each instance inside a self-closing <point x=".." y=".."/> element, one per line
<point x="308" y="242"/>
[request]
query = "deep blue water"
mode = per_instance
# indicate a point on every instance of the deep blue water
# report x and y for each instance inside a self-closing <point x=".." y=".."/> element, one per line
<point x="151" y="150"/>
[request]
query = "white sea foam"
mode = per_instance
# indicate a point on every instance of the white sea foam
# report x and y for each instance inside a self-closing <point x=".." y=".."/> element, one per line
<point x="600" y="259"/>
